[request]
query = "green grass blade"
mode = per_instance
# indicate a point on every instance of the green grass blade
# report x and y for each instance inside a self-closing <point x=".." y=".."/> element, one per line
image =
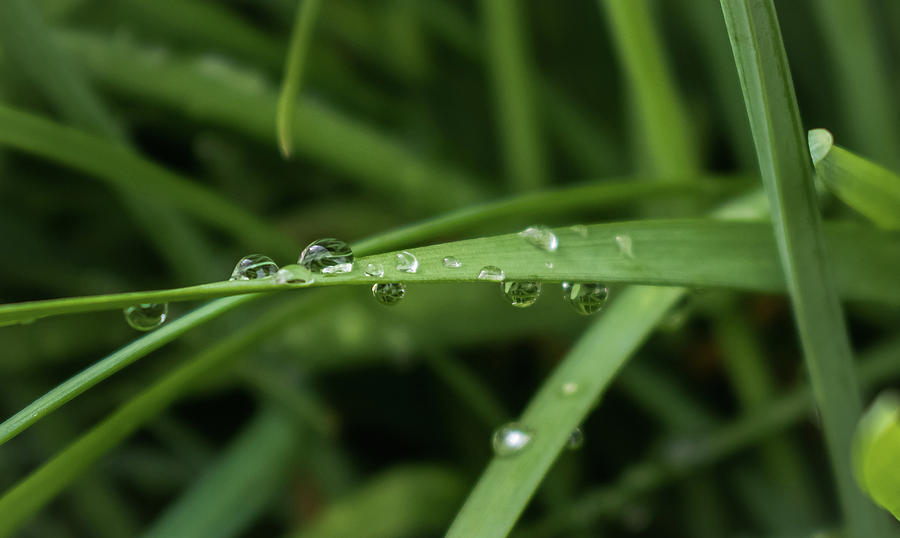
<point x="122" y="167"/>
<point x="106" y="367"/>
<point x="514" y="89"/>
<point x="668" y="136"/>
<point x="872" y="190"/>
<point x="698" y="253"/>
<point x="218" y="504"/>
<point x="410" y="500"/>
<point x="294" y="69"/>
<point x="876" y="452"/>
<point x="504" y="488"/>
<point x="25" y="498"/>
<point x="788" y="178"/>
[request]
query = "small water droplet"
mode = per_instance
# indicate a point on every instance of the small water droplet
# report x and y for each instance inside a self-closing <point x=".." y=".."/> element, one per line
<point x="452" y="262"/>
<point x="389" y="293"/>
<point x="491" y="272"/>
<point x="407" y="262"/>
<point x="324" y="253"/>
<point x="375" y="270"/>
<point x="521" y="293"/>
<point x="146" y="316"/>
<point x="510" y="439"/>
<point x="569" y="388"/>
<point x="580" y="229"/>
<point x="253" y="266"/>
<point x="540" y="236"/>
<point x="294" y="274"/>
<point x="586" y="298"/>
<point x="548" y="265"/>
<point x="625" y="246"/>
<point x="576" y="439"/>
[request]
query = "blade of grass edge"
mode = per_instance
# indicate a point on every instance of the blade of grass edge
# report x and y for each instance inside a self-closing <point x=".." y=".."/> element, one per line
<point x="294" y="68"/>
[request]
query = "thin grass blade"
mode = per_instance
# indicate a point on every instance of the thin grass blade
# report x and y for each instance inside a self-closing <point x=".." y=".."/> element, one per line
<point x="294" y="70"/>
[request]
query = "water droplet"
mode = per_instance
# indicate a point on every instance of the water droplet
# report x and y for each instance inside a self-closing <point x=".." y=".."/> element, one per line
<point x="451" y="262"/>
<point x="576" y="439"/>
<point x="540" y="236"/>
<point x="389" y="293"/>
<point x="569" y="388"/>
<point x="820" y="143"/>
<point x="521" y="293"/>
<point x="510" y="439"/>
<point x="146" y="316"/>
<point x="625" y="246"/>
<point x="548" y="265"/>
<point x="324" y="253"/>
<point x="490" y="272"/>
<point x="407" y="262"/>
<point x="375" y="270"/>
<point x="253" y="266"/>
<point x="294" y="274"/>
<point x="586" y="298"/>
<point x="580" y="229"/>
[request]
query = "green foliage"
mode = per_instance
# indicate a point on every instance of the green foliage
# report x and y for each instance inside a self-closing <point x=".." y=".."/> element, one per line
<point x="875" y="452"/>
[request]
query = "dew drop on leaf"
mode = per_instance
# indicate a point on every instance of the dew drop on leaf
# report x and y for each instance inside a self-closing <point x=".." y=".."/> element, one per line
<point x="575" y="440"/>
<point x="389" y="293"/>
<point x="540" y="236"/>
<point x="491" y="272"/>
<point x="586" y="298"/>
<point x="624" y="243"/>
<point x="521" y="293"/>
<point x="569" y="388"/>
<point x="407" y="262"/>
<point x="580" y="229"/>
<point x="294" y="274"/>
<point x="327" y="256"/>
<point x="146" y="316"/>
<point x="510" y="439"/>
<point x="253" y="266"/>
<point x="375" y="270"/>
<point x="451" y="262"/>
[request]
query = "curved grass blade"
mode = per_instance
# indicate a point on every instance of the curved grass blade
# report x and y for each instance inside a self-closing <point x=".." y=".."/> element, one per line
<point x="122" y="167"/>
<point x="876" y="452"/>
<point x="871" y="189"/>
<point x="99" y="371"/>
<point x="788" y="179"/>
<point x="294" y="69"/>
<point x="698" y="253"/>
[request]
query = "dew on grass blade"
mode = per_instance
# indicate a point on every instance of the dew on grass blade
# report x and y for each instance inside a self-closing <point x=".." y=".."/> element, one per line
<point x="521" y="293"/>
<point x="328" y="254"/>
<point x="580" y="229"/>
<point x="510" y="439"/>
<point x="146" y="316"/>
<point x="548" y="265"/>
<point x="294" y="274"/>
<point x="586" y="298"/>
<point x="540" y="236"/>
<point x="625" y="246"/>
<point x="576" y="439"/>
<point x="407" y="262"/>
<point x="569" y="388"/>
<point x="389" y="293"/>
<point x="451" y="262"/>
<point x="375" y="270"/>
<point x="253" y="266"/>
<point x="491" y="272"/>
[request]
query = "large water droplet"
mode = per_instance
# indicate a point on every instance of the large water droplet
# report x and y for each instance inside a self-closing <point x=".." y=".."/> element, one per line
<point x="540" y="236"/>
<point x="325" y="253"/>
<point x="146" y="316"/>
<point x="576" y="439"/>
<point x="491" y="272"/>
<point x="521" y="293"/>
<point x="389" y="293"/>
<point x="625" y="246"/>
<point x="375" y="270"/>
<point x="510" y="439"/>
<point x="451" y="262"/>
<point x="586" y="298"/>
<point x="294" y="274"/>
<point x="407" y="262"/>
<point x="253" y="266"/>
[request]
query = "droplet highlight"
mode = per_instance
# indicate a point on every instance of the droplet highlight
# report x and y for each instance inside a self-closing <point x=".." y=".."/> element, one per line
<point x="510" y="439"/>
<point x="624" y="244"/>
<point x="146" y="316"/>
<point x="375" y="270"/>
<point x="327" y="256"/>
<point x="451" y="262"/>
<point x="407" y="262"/>
<point x="569" y="388"/>
<point x="586" y="298"/>
<point x="576" y="439"/>
<point x="492" y="273"/>
<point x="253" y="266"/>
<point x="521" y="294"/>
<point x="389" y="293"/>
<point x="541" y="237"/>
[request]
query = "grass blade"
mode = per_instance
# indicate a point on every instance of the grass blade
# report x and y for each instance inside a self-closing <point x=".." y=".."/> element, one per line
<point x="788" y="178"/>
<point x="876" y="449"/>
<point x="294" y="70"/>
<point x="872" y="190"/>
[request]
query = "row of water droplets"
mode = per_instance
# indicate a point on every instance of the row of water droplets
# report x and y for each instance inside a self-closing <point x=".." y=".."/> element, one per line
<point x="330" y="256"/>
